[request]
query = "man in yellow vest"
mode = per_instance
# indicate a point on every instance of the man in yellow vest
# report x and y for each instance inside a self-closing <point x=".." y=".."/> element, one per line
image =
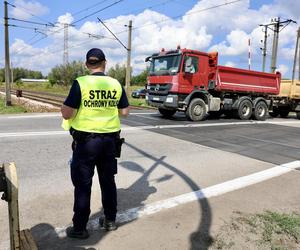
<point x="91" y="113"/>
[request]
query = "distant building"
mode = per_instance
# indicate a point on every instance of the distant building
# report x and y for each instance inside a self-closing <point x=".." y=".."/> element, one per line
<point x="33" y="80"/>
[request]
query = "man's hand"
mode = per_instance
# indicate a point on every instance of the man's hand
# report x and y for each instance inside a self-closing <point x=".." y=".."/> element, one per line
<point x="67" y="112"/>
<point x="124" y="112"/>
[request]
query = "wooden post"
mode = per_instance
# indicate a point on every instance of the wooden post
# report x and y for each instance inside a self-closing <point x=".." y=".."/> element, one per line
<point x="19" y="240"/>
<point x="13" y="206"/>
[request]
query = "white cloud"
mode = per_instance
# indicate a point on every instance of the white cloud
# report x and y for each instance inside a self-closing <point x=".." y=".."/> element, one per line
<point x="25" y="10"/>
<point x="283" y="69"/>
<point x="237" y="41"/>
<point x="65" y="19"/>
<point x="230" y="64"/>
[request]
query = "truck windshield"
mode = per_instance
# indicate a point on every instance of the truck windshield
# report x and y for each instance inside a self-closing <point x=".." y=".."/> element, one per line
<point x="165" y="65"/>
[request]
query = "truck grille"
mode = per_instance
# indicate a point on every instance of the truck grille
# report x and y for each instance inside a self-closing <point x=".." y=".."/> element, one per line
<point x="159" y="89"/>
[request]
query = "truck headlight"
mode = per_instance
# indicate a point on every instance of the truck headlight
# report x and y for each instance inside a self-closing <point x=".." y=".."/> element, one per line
<point x="170" y="99"/>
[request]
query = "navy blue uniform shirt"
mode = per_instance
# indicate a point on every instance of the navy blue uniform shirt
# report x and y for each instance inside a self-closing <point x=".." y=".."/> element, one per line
<point x="74" y="98"/>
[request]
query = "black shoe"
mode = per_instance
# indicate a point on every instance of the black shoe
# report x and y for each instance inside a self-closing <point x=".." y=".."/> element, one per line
<point x="71" y="233"/>
<point x="108" y="225"/>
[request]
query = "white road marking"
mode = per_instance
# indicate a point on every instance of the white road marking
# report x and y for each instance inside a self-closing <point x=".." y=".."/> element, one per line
<point x="29" y="116"/>
<point x="145" y="113"/>
<point x="28" y="134"/>
<point x="32" y="116"/>
<point x="156" y="118"/>
<point x="212" y="191"/>
<point x="148" y="127"/>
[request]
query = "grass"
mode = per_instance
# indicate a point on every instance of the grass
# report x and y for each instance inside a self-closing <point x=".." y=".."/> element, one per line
<point x="10" y="109"/>
<point x="276" y="224"/>
<point x="43" y="87"/>
<point x="267" y="230"/>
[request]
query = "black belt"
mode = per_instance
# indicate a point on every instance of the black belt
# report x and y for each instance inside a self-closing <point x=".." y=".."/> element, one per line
<point x="80" y="135"/>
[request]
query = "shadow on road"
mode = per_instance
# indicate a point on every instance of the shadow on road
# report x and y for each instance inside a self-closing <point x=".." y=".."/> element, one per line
<point x="200" y="239"/>
<point x="48" y="238"/>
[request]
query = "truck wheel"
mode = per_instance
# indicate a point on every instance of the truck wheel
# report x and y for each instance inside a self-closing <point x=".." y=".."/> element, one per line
<point x="196" y="111"/>
<point x="260" y="111"/>
<point x="284" y="113"/>
<point x="245" y="109"/>
<point x="167" y="112"/>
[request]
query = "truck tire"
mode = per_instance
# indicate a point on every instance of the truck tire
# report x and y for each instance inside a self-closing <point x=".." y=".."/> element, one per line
<point x="260" y="111"/>
<point x="167" y="112"/>
<point x="245" y="109"/>
<point x="196" y="110"/>
<point x="284" y="113"/>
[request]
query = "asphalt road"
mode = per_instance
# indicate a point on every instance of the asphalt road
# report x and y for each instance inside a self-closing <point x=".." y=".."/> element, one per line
<point x="161" y="159"/>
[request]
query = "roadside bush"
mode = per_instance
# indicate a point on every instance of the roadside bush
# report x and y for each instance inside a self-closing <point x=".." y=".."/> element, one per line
<point x="65" y="74"/>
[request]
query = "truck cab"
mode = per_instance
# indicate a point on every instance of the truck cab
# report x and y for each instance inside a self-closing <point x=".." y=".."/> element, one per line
<point x="175" y="76"/>
<point x="175" y="72"/>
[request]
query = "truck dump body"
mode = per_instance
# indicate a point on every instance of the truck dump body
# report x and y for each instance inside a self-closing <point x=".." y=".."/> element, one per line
<point x="289" y="89"/>
<point x="246" y="81"/>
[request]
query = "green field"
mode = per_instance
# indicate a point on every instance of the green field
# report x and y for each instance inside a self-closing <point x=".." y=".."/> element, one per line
<point x="64" y="90"/>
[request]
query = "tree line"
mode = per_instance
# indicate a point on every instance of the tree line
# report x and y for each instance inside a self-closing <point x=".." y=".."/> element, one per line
<point x="19" y="73"/>
<point x="65" y="74"/>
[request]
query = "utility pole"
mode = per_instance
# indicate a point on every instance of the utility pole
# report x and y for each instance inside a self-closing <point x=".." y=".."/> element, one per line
<point x="275" y="44"/>
<point x="66" y="40"/>
<point x="12" y="72"/>
<point x="128" y="48"/>
<point x="297" y="54"/>
<point x="7" y="64"/>
<point x="264" y="49"/>
<point x="277" y="26"/>
<point x="128" y="67"/>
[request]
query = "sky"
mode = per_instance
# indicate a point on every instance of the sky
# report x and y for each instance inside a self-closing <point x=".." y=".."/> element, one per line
<point x="206" y="25"/>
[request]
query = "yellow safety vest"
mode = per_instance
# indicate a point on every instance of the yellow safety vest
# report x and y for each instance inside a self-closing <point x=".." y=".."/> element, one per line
<point x="98" y="111"/>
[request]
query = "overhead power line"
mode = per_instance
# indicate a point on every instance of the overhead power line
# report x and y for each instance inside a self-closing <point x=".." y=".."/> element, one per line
<point x="86" y="9"/>
<point x="26" y="27"/>
<point x="57" y="31"/>
<point x="144" y="8"/>
<point x="25" y="21"/>
<point x="186" y="14"/>
<point x="112" y="34"/>
<point x="104" y="8"/>
<point x="28" y="12"/>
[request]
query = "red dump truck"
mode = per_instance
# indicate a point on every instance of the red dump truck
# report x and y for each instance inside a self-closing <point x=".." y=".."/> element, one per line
<point x="192" y="82"/>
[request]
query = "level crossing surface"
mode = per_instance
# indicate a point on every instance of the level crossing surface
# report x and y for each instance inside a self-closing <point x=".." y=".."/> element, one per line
<point x="161" y="160"/>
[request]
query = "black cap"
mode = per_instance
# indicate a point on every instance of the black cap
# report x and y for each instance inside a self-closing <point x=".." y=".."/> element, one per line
<point x="95" y="55"/>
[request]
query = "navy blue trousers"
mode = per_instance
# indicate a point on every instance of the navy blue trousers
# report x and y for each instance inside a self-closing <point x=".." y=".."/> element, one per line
<point x="100" y="152"/>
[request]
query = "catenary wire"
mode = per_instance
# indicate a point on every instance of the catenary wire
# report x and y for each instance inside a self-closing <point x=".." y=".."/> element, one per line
<point x="186" y="14"/>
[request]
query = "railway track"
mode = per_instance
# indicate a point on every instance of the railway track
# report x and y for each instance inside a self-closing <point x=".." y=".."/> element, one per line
<point x="49" y="98"/>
